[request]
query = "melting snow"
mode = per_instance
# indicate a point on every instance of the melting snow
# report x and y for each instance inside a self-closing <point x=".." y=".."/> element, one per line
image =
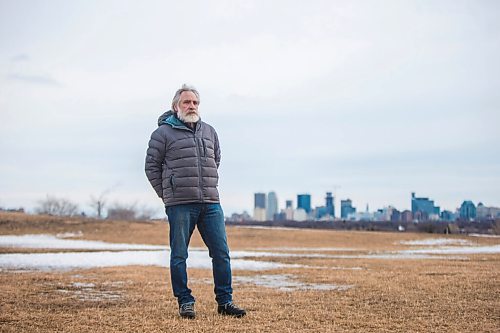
<point x="77" y="260"/>
<point x="437" y="242"/>
<point x="140" y="254"/>
<point x="51" y="242"/>
<point x="287" y="282"/>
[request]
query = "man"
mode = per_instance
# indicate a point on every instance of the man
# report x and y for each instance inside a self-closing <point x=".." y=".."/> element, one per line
<point x="181" y="164"/>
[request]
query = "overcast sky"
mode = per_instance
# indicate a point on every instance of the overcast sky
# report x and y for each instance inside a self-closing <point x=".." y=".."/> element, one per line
<point x="368" y="99"/>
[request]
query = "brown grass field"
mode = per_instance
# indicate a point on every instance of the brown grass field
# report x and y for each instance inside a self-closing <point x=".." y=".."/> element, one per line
<point x="387" y="295"/>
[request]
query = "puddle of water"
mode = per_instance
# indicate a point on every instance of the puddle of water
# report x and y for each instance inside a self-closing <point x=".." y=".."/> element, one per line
<point x="51" y="242"/>
<point x="437" y="242"/>
<point x="286" y="282"/>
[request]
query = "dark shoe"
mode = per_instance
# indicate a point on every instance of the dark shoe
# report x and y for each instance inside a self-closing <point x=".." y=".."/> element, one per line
<point x="229" y="309"/>
<point x="187" y="311"/>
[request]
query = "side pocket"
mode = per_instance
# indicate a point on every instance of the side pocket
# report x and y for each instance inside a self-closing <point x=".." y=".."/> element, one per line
<point x="172" y="183"/>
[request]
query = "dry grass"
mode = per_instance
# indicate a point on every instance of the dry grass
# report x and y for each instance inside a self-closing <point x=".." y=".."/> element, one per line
<point x="388" y="295"/>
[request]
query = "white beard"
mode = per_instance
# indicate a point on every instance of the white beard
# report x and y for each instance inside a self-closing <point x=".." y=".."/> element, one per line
<point x="189" y="118"/>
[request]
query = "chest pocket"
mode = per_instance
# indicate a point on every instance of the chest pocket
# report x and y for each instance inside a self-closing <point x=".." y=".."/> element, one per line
<point x="208" y="147"/>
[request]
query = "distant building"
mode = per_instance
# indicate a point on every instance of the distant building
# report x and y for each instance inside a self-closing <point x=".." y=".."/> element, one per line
<point x="361" y="216"/>
<point x="239" y="217"/>
<point x="320" y="212"/>
<point x="272" y="206"/>
<point x="260" y="200"/>
<point x="483" y="212"/>
<point x="330" y="204"/>
<point x="280" y="216"/>
<point x="447" y="215"/>
<point x="299" y="215"/>
<point x="423" y="208"/>
<point x="259" y="214"/>
<point x="396" y="215"/>
<point x="289" y="210"/>
<point x="467" y="210"/>
<point x="304" y="202"/>
<point x="406" y="216"/>
<point x="346" y="208"/>
<point x="384" y="214"/>
<point x="259" y="211"/>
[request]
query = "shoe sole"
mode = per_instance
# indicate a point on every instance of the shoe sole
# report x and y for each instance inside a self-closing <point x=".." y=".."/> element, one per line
<point x="234" y="316"/>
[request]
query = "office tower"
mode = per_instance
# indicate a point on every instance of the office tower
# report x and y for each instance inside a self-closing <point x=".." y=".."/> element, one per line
<point x="289" y="204"/>
<point x="423" y="207"/>
<point x="260" y="200"/>
<point x="304" y="202"/>
<point x="330" y="205"/>
<point x="483" y="212"/>
<point x="346" y="208"/>
<point x="272" y="206"/>
<point x="467" y="210"/>
<point x="259" y="211"/>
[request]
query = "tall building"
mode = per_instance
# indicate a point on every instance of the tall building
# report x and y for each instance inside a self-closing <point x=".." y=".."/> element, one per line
<point x="259" y="210"/>
<point x="467" y="210"/>
<point x="483" y="212"/>
<point x="304" y="202"/>
<point x="329" y="204"/>
<point x="272" y="206"/>
<point x="423" y="207"/>
<point x="346" y="208"/>
<point x="289" y="210"/>
<point x="260" y="200"/>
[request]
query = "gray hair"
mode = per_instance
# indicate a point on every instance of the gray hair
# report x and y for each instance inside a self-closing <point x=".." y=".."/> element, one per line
<point x="177" y="96"/>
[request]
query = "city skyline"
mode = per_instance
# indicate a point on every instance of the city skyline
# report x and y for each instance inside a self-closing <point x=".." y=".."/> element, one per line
<point x="425" y="206"/>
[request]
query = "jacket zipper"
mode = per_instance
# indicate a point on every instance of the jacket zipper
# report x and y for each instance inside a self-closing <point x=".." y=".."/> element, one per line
<point x="200" y="178"/>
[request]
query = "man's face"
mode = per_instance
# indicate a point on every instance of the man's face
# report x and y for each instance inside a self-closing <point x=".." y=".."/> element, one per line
<point x="187" y="109"/>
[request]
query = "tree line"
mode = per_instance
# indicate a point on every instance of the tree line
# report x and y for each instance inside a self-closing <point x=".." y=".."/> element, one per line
<point x="58" y="206"/>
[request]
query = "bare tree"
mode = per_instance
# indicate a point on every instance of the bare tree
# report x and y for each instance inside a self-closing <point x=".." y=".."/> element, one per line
<point x="56" y="206"/>
<point x="130" y="212"/>
<point x="98" y="204"/>
<point x="127" y="212"/>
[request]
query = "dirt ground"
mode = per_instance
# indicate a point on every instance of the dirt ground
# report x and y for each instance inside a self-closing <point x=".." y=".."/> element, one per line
<point x="386" y="295"/>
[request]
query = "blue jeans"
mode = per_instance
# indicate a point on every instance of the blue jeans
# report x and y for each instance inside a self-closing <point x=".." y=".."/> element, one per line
<point x="209" y="218"/>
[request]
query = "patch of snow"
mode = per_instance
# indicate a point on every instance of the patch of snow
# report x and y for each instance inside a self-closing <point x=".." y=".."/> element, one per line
<point x="484" y="235"/>
<point x="52" y="242"/>
<point x="437" y="242"/>
<point x="287" y="282"/>
<point x="494" y="249"/>
<point x="85" y="260"/>
<point x="70" y="234"/>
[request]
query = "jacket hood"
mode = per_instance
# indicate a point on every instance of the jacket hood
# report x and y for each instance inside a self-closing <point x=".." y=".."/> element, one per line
<point x="162" y="119"/>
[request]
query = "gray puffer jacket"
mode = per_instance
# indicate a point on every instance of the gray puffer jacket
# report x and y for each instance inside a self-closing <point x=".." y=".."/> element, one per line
<point x="181" y="163"/>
